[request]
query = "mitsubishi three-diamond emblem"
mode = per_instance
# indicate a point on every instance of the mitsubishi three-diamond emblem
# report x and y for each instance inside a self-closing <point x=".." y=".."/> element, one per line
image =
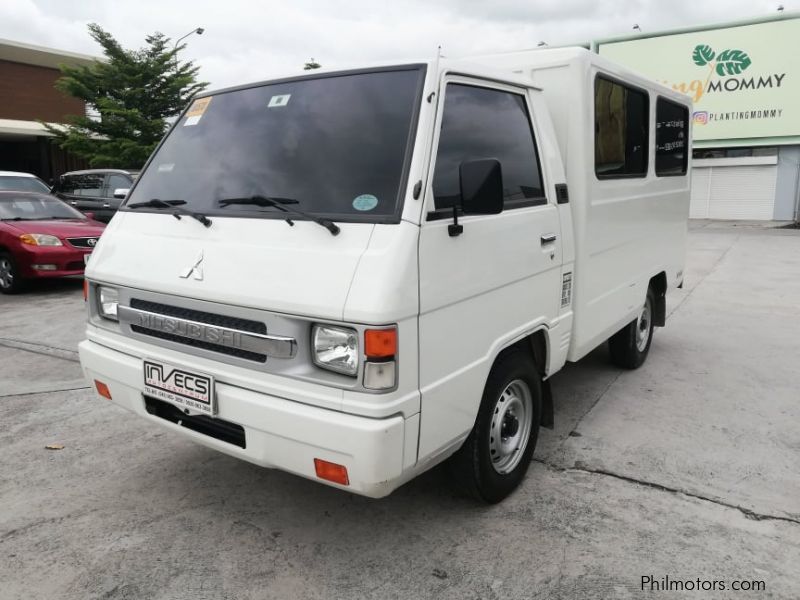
<point x="196" y="269"/>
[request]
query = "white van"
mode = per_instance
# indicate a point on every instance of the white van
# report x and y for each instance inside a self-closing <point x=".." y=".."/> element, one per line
<point x="355" y="275"/>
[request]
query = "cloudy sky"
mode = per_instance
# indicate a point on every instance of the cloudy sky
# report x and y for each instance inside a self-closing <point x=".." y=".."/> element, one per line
<point x="248" y="40"/>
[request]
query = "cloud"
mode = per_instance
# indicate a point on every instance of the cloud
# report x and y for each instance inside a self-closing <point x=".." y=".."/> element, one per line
<point x="247" y="41"/>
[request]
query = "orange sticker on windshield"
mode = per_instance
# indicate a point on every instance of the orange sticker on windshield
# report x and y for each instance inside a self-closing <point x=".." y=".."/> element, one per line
<point x="196" y="110"/>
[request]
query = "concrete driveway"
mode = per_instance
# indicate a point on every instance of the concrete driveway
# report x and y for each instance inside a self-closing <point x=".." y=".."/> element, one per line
<point x="688" y="468"/>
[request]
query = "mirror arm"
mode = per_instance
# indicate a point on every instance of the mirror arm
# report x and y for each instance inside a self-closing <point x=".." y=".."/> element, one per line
<point x="454" y="229"/>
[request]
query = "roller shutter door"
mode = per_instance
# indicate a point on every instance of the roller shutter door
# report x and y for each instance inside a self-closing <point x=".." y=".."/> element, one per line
<point x="745" y="192"/>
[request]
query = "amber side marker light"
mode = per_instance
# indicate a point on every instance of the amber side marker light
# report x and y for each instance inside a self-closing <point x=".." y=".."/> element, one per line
<point x="331" y="471"/>
<point x="102" y="389"/>
<point x="85" y="290"/>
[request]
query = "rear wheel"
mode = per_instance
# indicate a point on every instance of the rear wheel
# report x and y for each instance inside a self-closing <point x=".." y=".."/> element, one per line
<point x="10" y="281"/>
<point x="630" y="345"/>
<point x="496" y="455"/>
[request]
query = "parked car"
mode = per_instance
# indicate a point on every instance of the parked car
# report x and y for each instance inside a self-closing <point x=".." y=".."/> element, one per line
<point x="42" y="237"/>
<point x="456" y="234"/>
<point x="99" y="191"/>
<point x="22" y="182"/>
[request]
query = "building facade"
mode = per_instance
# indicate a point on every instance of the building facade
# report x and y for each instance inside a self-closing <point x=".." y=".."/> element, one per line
<point x="744" y="80"/>
<point x="27" y="97"/>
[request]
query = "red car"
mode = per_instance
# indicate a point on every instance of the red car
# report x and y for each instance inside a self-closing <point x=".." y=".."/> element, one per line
<point x="40" y="236"/>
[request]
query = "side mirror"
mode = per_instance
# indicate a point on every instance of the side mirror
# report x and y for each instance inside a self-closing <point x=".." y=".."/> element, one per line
<point x="481" y="187"/>
<point x="120" y="193"/>
<point x="89" y="215"/>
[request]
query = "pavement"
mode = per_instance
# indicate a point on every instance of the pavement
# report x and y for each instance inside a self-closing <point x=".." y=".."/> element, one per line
<point x="688" y="468"/>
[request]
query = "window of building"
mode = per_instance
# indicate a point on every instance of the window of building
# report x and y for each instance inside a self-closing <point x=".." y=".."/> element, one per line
<point x="482" y="123"/>
<point x="621" y="116"/>
<point x="672" y="131"/>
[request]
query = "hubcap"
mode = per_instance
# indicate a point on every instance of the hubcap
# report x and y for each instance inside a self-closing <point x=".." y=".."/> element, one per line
<point x="643" y="326"/>
<point x="511" y="426"/>
<point x="6" y="273"/>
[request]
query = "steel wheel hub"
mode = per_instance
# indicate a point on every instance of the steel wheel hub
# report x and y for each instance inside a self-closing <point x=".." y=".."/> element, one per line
<point x="643" y="326"/>
<point x="511" y="426"/>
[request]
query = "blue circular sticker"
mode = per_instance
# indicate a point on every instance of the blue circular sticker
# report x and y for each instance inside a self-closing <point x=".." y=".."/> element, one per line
<point x="365" y="202"/>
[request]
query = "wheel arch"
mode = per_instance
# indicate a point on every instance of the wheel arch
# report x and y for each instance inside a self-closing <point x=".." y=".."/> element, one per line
<point x="537" y="345"/>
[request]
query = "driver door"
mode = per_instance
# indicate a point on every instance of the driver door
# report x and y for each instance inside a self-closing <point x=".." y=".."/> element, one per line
<point x="498" y="277"/>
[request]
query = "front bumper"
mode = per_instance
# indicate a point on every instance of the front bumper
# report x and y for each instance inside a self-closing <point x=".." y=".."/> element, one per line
<point x="279" y="433"/>
<point x="67" y="261"/>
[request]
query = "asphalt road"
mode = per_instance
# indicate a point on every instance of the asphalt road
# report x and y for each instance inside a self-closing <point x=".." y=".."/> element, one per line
<point x="688" y="468"/>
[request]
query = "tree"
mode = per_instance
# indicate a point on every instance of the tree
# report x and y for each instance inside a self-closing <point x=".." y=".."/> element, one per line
<point x="312" y="64"/>
<point x="133" y="94"/>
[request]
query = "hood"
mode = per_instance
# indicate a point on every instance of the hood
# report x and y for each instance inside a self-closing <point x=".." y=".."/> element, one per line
<point x="258" y="263"/>
<point x="59" y="228"/>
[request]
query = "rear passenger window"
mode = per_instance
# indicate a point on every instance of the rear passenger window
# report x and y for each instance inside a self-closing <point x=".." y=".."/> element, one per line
<point x="484" y="123"/>
<point x="83" y="185"/>
<point x="672" y="131"/>
<point x="621" y="118"/>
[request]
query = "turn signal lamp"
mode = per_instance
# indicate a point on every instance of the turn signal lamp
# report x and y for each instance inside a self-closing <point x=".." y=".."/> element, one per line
<point x="331" y="471"/>
<point x="380" y="349"/>
<point x="102" y="389"/>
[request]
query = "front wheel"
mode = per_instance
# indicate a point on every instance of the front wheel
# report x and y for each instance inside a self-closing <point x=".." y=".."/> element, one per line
<point x="10" y="281"/>
<point x="630" y="345"/>
<point x="496" y="455"/>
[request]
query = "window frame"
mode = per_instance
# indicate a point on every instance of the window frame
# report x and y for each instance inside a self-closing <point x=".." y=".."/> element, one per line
<point x="437" y="214"/>
<point x="685" y="172"/>
<point x="626" y="84"/>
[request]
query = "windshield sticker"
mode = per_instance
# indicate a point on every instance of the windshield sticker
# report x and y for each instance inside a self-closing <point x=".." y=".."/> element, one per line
<point x="365" y="202"/>
<point x="196" y="110"/>
<point x="166" y="167"/>
<point x="279" y="101"/>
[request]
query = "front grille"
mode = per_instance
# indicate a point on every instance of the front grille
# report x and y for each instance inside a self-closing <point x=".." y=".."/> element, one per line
<point x="83" y="242"/>
<point x="216" y="428"/>
<point x="178" y="339"/>
<point x="200" y="316"/>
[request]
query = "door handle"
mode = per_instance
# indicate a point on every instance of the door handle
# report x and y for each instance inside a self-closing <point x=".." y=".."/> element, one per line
<point x="548" y="238"/>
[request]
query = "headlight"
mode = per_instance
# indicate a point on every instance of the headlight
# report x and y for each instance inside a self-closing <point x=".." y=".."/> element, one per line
<point x="40" y="239"/>
<point x="107" y="302"/>
<point x="335" y="348"/>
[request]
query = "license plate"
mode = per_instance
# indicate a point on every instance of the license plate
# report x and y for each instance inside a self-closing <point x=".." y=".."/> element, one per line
<point x="179" y="386"/>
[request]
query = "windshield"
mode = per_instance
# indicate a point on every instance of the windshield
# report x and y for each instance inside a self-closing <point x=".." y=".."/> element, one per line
<point x="334" y="146"/>
<point x="22" y="184"/>
<point x="30" y="207"/>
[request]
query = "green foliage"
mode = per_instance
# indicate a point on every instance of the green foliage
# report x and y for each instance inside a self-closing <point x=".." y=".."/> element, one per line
<point x="729" y="62"/>
<point x="702" y="55"/>
<point x="134" y="93"/>
<point x="732" y="62"/>
<point x="312" y="64"/>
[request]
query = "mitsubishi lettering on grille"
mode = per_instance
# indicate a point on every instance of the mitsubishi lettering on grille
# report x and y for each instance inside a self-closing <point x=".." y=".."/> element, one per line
<point x="197" y="331"/>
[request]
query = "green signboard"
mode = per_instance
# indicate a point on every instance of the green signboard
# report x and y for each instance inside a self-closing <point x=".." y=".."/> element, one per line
<point x="744" y="80"/>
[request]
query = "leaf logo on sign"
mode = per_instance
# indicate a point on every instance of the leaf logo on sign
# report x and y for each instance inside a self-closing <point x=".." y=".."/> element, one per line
<point x="728" y="62"/>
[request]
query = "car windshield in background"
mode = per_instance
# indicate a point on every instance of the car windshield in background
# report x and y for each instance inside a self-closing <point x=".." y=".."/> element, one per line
<point x="34" y="207"/>
<point x="23" y="184"/>
<point x="334" y="144"/>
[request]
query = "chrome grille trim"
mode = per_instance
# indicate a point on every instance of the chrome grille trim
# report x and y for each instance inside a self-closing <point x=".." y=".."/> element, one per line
<point x="213" y="335"/>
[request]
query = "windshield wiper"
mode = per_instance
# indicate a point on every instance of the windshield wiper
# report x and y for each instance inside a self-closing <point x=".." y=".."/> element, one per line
<point x="279" y="204"/>
<point x="175" y="205"/>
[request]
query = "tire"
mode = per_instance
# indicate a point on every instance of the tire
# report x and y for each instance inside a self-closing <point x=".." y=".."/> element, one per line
<point x="487" y="466"/>
<point x="10" y="281"/>
<point x="630" y="345"/>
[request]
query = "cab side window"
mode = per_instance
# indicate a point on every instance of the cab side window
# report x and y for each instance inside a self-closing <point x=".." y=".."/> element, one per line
<point x="482" y="123"/>
<point x="621" y="130"/>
